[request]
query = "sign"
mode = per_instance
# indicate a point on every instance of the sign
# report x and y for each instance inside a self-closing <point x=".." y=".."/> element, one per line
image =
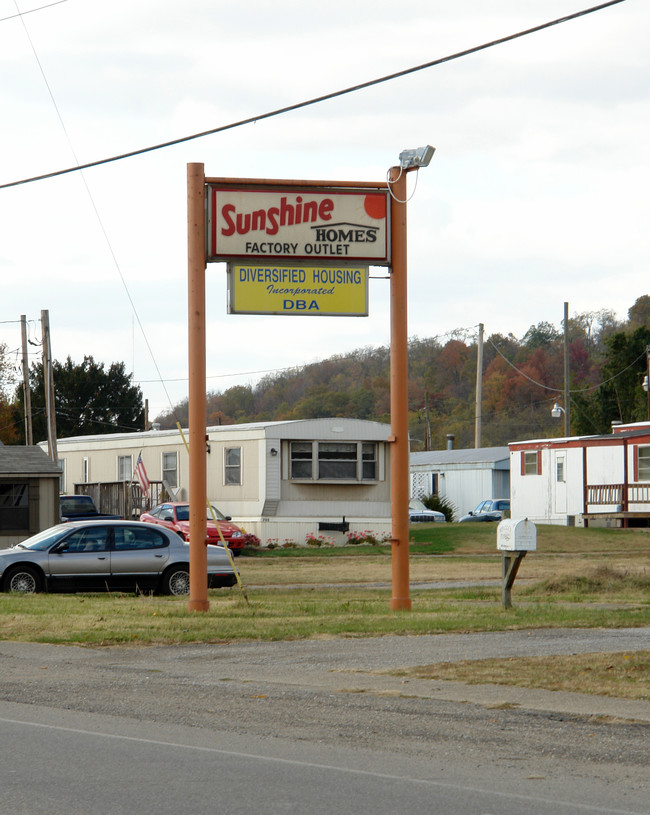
<point x="322" y="226"/>
<point x="303" y="290"/>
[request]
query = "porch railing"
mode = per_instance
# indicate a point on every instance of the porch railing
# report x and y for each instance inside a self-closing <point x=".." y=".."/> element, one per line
<point x="124" y="498"/>
<point x="618" y="495"/>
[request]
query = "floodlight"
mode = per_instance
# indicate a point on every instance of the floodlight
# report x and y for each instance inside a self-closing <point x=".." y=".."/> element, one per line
<point x="556" y="411"/>
<point x="420" y="157"/>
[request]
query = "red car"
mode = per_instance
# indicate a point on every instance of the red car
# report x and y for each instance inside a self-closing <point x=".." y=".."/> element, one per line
<point x="176" y="516"/>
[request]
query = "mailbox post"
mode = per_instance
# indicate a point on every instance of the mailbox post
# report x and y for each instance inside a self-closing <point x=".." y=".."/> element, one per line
<point x="514" y="539"/>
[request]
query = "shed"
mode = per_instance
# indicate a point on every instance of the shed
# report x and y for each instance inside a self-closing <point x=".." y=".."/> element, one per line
<point x="464" y="477"/>
<point x="29" y="493"/>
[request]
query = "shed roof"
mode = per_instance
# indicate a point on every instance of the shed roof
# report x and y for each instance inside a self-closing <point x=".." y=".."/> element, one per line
<point x="498" y="457"/>
<point x="17" y="460"/>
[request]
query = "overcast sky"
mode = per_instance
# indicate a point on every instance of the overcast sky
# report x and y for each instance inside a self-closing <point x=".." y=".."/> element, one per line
<point x="537" y="193"/>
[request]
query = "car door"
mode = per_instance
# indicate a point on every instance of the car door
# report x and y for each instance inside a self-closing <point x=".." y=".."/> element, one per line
<point x="140" y="554"/>
<point x="82" y="561"/>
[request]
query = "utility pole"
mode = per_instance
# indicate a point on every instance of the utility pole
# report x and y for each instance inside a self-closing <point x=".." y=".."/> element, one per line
<point x="27" y="394"/>
<point x="48" y="379"/>
<point x="567" y="404"/>
<point x="647" y="376"/>
<point x="479" y="387"/>
<point x="427" y="422"/>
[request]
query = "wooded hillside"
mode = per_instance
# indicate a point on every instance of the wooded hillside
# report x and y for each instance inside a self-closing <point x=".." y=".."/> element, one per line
<point x="522" y="379"/>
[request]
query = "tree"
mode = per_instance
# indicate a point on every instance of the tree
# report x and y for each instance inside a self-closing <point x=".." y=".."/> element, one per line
<point x="639" y="313"/>
<point x="620" y="397"/>
<point x="88" y="399"/>
<point x="9" y="420"/>
<point x="540" y="335"/>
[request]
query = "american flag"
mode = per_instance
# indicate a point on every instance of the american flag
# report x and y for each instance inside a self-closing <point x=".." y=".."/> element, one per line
<point x="141" y="474"/>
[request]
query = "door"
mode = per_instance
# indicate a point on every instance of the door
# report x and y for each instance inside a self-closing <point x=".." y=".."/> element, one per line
<point x="560" y="483"/>
<point x="82" y="561"/>
<point x="140" y="553"/>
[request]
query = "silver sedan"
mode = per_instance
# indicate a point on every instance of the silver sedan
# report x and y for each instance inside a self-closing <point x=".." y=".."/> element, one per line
<point x="107" y="555"/>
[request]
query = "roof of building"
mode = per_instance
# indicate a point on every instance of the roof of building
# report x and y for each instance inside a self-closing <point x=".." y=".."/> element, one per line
<point x="636" y="430"/>
<point x="291" y="426"/>
<point x="475" y="456"/>
<point x="17" y="460"/>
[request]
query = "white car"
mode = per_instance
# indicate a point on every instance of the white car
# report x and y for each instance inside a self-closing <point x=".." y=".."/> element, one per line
<point x="418" y="513"/>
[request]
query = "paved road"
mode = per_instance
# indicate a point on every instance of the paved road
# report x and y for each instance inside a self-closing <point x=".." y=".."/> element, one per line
<point x="313" y="727"/>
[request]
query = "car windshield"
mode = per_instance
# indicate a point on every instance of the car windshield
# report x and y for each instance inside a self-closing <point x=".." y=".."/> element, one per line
<point x="217" y="514"/>
<point x="183" y="513"/>
<point x="416" y="505"/>
<point x="45" y="539"/>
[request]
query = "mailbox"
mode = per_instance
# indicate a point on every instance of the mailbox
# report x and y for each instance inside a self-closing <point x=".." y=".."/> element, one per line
<point x="516" y="535"/>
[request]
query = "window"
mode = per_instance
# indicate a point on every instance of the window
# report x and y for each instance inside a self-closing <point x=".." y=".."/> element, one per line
<point x="337" y="460"/>
<point x="93" y="539"/>
<point x="333" y="461"/>
<point x="369" y="461"/>
<point x="61" y="465"/>
<point x="301" y="464"/>
<point x="124" y="468"/>
<point x="128" y="538"/>
<point x="644" y="463"/>
<point x="232" y="465"/>
<point x="530" y="463"/>
<point x="170" y="468"/>
<point x="14" y="507"/>
<point x="559" y="470"/>
<point x="85" y="470"/>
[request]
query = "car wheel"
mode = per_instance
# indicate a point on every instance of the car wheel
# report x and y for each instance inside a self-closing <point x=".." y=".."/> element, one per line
<point x="176" y="581"/>
<point x="23" y="579"/>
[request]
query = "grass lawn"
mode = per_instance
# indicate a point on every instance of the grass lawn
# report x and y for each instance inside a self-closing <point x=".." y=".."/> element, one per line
<point x="576" y="578"/>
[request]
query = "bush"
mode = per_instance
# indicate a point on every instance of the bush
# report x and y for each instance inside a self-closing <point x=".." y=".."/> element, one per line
<point x="367" y="537"/>
<point x="441" y="504"/>
<point x="318" y="540"/>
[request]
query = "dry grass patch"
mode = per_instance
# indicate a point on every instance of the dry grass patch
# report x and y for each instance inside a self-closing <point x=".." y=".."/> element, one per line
<point x="624" y="675"/>
<point x="376" y="569"/>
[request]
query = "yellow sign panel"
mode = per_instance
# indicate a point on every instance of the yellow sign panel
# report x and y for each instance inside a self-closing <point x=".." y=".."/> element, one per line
<point x="305" y="290"/>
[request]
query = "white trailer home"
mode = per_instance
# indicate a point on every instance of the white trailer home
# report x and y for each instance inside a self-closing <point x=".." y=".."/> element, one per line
<point x="584" y="479"/>
<point x="279" y="480"/>
<point x="464" y="477"/>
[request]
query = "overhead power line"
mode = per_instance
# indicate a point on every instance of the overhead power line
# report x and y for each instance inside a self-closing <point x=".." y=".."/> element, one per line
<point x="318" y="99"/>
<point x="31" y="11"/>
<point x="561" y="390"/>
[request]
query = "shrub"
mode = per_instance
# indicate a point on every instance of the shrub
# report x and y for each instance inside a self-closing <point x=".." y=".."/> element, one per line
<point x="367" y="537"/>
<point x="441" y="504"/>
<point x="318" y="540"/>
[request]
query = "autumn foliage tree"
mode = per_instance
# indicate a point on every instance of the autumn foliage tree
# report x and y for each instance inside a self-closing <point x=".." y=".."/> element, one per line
<point x="522" y="378"/>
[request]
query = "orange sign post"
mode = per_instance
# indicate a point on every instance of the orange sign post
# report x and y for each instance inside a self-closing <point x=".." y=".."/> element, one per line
<point x="197" y="386"/>
<point x="399" y="460"/>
